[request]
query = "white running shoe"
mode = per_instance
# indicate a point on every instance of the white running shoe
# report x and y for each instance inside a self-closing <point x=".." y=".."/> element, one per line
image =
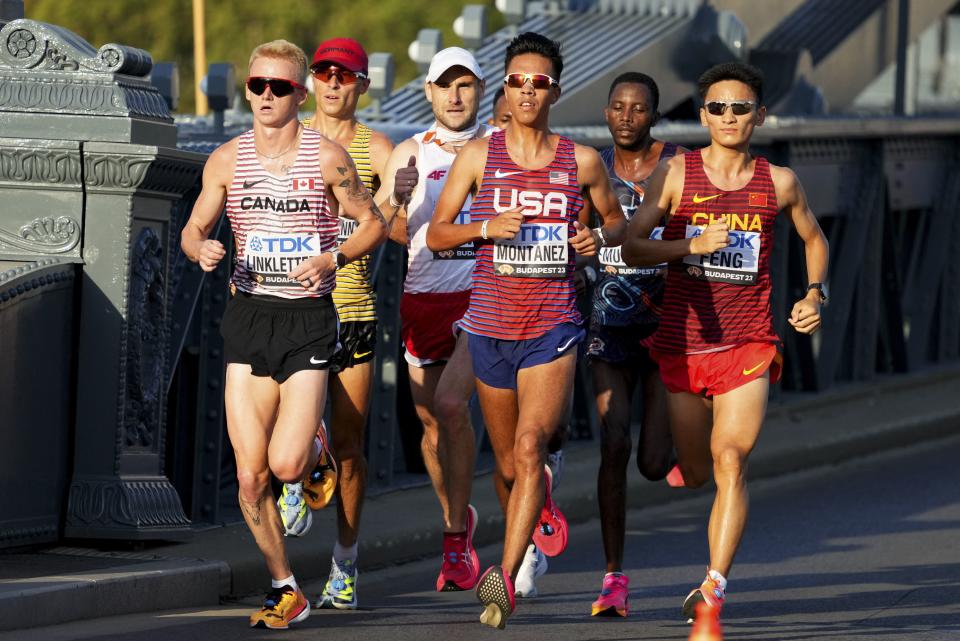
<point x="534" y="565"/>
<point x="555" y="462"/>
<point x="295" y="515"/>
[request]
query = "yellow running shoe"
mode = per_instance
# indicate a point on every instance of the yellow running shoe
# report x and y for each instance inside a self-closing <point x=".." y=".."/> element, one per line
<point x="282" y="607"/>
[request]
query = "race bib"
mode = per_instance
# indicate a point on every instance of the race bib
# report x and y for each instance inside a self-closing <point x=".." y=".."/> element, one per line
<point x="270" y="257"/>
<point x="736" y="263"/>
<point x="612" y="262"/>
<point x="537" y="251"/>
<point x="347" y="227"/>
<point x="463" y="252"/>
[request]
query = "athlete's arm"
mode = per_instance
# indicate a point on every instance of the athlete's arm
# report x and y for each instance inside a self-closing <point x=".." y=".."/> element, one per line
<point x="356" y="203"/>
<point x="593" y="179"/>
<point x="464" y="178"/>
<point x="195" y="237"/>
<point x="661" y="198"/>
<point x="805" y="315"/>
<point x="393" y="195"/>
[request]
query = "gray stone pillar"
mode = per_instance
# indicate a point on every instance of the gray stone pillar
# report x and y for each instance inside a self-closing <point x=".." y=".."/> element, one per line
<point x="114" y="217"/>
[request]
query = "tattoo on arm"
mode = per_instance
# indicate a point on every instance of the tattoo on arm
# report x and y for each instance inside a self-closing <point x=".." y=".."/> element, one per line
<point x="356" y="191"/>
<point x="252" y="510"/>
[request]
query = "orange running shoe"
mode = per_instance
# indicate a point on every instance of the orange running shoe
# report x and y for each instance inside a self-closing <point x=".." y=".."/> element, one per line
<point x="282" y="607"/>
<point x="707" y="626"/>
<point x="709" y="592"/>
<point x="321" y="483"/>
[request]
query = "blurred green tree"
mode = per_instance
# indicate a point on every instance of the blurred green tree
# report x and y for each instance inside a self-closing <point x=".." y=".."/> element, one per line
<point x="234" y="27"/>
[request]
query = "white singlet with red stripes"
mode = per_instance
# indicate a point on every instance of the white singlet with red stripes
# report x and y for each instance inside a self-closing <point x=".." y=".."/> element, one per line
<point x="279" y="221"/>
<point x="429" y="271"/>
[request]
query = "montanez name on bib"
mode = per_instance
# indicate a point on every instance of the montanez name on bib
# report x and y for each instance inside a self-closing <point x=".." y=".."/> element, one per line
<point x="270" y="257"/>
<point x="464" y="251"/>
<point x="537" y="251"/>
<point x="612" y="260"/>
<point x="552" y="204"/>
<point x="736" y="263"/>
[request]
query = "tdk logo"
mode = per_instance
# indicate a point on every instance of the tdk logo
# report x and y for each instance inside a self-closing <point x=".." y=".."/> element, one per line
<point x="534" y="203"/>
<point x="539" y="233"/>
<point x="283" y="244"/>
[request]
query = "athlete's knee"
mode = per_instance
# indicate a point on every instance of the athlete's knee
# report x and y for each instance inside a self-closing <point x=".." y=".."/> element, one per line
<point x="654" y="466"/>
<point x="529" y="450"/>
<point x="615" y="447"/>
<point x="253" y="484"/>
<point x="288" y="467"/>
<point x="729" y="463"/>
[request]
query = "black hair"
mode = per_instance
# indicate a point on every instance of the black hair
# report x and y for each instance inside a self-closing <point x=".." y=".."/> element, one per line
<point x="740" y="71"/>
<point x="635" y="77"/>
<point x="530" y="42"/>
<point x="498" y="95"/>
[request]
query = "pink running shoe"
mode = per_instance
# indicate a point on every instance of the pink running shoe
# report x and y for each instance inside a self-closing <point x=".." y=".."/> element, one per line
<point x="675" y="477"/>
<point x="550" y="531"/>
<point x="613" y="596"/>
<point x="461" y="565"/>
<point x="495" y="591"/>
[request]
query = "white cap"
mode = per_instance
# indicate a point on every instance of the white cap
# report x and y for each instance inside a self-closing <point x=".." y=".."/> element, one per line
<point x="453" y="57"/>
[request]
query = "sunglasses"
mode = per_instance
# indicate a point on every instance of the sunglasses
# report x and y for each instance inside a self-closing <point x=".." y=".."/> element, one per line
<point x="344" y="76"/>
<point x="538" y="80"/>
<point x="739" y="107"/>
<point x="279" y="87"/>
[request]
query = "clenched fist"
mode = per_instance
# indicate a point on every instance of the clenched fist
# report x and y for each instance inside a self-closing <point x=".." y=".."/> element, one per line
<point x="713" y="237"/>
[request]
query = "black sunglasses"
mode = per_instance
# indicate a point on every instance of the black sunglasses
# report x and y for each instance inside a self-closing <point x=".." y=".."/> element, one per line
<point x="279" y="87"/>
<point x="738" y="107"/>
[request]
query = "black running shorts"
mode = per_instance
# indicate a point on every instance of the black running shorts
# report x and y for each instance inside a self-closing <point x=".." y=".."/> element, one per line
<point x="277" y="336"/>
<point x="358" y="339"/>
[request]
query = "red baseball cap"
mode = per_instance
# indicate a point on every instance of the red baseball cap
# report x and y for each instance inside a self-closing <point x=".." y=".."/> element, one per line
<point x="343" y="52"/>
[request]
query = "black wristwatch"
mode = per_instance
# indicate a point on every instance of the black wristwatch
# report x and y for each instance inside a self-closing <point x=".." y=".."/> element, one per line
<point x="822" y="289"/>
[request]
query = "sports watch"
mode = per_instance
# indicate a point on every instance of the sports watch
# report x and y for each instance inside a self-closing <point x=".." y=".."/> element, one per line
<point x="822" y="289"/>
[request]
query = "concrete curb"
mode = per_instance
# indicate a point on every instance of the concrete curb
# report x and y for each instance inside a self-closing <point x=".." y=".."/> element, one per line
<point x="401" y="526"/>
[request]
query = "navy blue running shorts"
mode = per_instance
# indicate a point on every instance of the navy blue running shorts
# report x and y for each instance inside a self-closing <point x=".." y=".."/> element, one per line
<point x="496" y="362"/>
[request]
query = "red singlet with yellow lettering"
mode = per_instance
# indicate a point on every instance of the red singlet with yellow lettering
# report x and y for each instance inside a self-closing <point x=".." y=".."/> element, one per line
<point x="719" y="300"/>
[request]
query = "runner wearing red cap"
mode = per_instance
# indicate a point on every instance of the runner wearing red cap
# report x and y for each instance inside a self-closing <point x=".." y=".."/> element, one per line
<point x="339" y="72"/>
<point x="716" y="345"/>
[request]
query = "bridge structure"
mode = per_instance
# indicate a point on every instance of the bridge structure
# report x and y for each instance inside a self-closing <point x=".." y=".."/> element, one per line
<point x="111" y="383"/>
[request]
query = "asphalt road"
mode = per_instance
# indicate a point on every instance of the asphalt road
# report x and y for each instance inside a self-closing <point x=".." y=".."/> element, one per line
<point x="866" y="551"/>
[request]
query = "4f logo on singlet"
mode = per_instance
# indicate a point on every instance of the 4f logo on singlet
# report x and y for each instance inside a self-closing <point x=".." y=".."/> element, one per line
<point x="551" y="204"/>
<point x="437" y="174"/>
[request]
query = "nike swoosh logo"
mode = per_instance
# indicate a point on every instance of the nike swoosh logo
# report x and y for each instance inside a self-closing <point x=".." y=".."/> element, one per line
<point x="504" y="174"/>
<point x="748" y="372"/>
<point x="697" y="199"/>
<point x="366" y="353"/>
<point x="314" y="361"/>
<point x="564" y="347"/>
<point x="247" y="184"/>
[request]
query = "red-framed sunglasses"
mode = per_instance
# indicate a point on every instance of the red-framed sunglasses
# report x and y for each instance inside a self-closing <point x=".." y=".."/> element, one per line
<point x="344" y="76"/>
<point x="538" y="80"/>
<point x="279" y="87"/>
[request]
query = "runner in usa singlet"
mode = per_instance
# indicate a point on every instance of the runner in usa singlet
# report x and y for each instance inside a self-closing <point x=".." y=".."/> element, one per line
<point x="522" y="288"/>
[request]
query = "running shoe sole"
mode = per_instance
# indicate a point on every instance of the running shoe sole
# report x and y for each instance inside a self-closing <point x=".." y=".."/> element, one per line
<point x="610" y="611"/>
<point x="689" y="610"/>
<point x="301" y="616"/>
<point x="319" y="494"/>
<point x="494" y="593"/>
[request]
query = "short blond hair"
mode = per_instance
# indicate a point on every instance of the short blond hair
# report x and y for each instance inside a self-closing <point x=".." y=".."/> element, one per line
<point x="283" y="50"/>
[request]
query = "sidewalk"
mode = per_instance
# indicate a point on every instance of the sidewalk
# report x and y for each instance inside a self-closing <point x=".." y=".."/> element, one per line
<point x="221" y="562"/>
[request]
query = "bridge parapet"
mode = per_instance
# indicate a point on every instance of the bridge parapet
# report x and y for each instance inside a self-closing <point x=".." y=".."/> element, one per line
<point x="90" y="175"/>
